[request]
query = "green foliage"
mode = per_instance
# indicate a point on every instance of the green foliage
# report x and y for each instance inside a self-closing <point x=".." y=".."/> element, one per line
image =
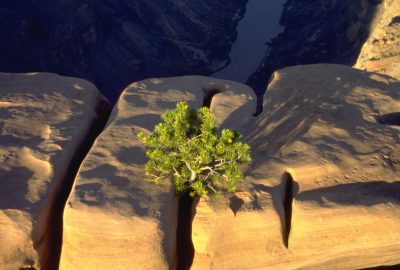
<point x="186" y="146"/>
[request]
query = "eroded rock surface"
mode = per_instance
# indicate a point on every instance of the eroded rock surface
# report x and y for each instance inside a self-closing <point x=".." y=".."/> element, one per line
<point x="113" y="218"/>
<point x="323" y="190"/>
<point x="44" y="119"/>
<point x="381" y="52"/>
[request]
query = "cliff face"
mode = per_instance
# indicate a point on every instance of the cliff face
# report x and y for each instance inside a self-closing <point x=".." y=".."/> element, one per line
<point x="381" y="52"/>
<point x="317" y="31"/>
<point x="113" y="43"/>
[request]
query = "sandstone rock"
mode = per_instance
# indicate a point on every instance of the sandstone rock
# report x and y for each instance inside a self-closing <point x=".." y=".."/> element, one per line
<point x="44" y="121"/>
<point x="114" y="219"/>
<point x="319" y="144"/>
<point x="381" y="52"/>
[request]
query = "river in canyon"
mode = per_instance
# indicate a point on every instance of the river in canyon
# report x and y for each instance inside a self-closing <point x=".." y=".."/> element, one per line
<point x="259" y="24"/>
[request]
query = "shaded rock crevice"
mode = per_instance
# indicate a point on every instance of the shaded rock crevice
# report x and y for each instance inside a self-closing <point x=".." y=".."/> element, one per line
<point x="289" y="186"/>
<point x="386" y="267"/>
<point x="51" y="252"/>
<point x="184" y="244"/>
<point x="391" y="119"/>
<point x="208" y="96"/>
<point x="185" y="247"/>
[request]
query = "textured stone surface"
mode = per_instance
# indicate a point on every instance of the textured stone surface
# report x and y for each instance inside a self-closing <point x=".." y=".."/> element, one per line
<point x="44" y="118"/>
<point x="113" y="218"/>
<point x="116" y="42"/>
<point x="381" y="52"/>
<point x="318" y="128"/>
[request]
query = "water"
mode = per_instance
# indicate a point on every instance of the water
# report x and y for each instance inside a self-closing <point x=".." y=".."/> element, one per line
<point x="259" y="24"/>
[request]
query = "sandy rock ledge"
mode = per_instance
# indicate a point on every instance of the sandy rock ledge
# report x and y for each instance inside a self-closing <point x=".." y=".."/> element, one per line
<point x="44" y="119"/>
<point x="323" y="191"/>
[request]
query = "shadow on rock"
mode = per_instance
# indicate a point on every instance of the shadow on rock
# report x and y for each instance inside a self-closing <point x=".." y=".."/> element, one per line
<point x="366" y="194"/>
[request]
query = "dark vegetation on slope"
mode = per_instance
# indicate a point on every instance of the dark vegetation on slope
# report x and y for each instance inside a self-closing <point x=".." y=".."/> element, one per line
<point x="116" y="42"/>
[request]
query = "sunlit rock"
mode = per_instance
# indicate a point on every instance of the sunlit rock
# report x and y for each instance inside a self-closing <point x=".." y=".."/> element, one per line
<point x="45" y="120"/>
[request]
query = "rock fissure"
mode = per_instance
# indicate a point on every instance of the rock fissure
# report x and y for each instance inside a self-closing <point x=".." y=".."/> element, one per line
<point x="287" y="181"/>
<point x="391" y="119"/>
<point x="208" y="96"/>
<point x="51" y="256"/>
<point x="184" y="248"/>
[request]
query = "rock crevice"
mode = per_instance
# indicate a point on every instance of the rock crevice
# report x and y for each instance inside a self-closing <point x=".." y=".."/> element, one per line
<point x="51" y="259"/>
<point x="289" y="183"/>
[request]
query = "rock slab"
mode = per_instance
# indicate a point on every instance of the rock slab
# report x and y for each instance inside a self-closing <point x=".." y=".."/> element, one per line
<point x="44" y="119"/>
<point x="113" y="218"/>
<point x="323" y="189"/>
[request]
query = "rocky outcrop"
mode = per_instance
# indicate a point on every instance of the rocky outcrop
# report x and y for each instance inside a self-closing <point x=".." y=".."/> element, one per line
<point x="113" y="218"/>
<point x="381" y="52"/>
<point x="45" y="123"/>
<point x="317" y="31"/>
<point x="116" y="42"/>
<point x="323" y="189"/>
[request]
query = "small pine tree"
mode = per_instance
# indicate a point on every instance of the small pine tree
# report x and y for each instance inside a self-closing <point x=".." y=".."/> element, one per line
<point x="186" y="146"/>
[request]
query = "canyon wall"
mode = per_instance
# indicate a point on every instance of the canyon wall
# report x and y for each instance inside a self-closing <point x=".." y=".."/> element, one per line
<point x="317" y="31"/>
<point x="116" y="42"/>
<point x="381" y="52"/>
